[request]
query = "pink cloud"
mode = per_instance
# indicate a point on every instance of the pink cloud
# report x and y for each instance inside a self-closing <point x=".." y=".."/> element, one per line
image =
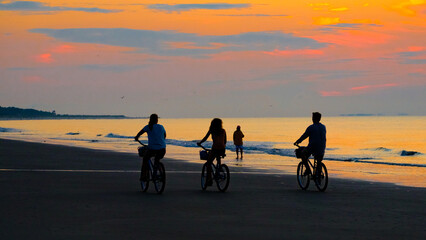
<point x="32" y="79"/>
<point x="44" y="58"/>
<point x="331" y="93"/>
<point x="354" y="38"/>
<point x="366" y="87"/>
<point x="277" y="52"/>
<point x="357" y="90"/>
<point x="63" y="49"/>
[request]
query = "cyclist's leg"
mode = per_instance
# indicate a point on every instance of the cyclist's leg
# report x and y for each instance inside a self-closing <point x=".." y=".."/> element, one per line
<point x="305" y="156"/>
<point x="218" y="154"/>
<point x="218" y="160"/>
<point x="210" y="160"/>
<point x="318" y="158"/>
<point x="145" y="165"/>
<point x="159" y="154"/>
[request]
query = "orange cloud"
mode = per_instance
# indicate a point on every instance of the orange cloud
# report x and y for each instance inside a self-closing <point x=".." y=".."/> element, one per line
<point x="327" y="7"/>
<point x="319" y="6"/>
<point x="341" y="9"/>
<point x="326" y="20"/>
<point x="44" y="58"/>
<point x="404" y="8"/>
<point x="277" y="52"/>
<point x="416" y="49"/>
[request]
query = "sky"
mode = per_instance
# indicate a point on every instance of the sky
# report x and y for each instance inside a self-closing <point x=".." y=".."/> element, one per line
<point x="214" y="58"/>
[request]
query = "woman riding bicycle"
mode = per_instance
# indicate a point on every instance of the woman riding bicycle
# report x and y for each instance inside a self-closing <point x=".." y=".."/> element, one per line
<point x="156" y="143"/>
<point x="218" y="147"/>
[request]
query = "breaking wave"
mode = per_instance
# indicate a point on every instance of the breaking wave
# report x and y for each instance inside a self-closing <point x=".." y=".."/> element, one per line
<point x="270" y="149"/>
<point x="9" y="130"/>
<point x="409" y="153"/>
<point x="72" y="133"/>
<point x="112" y="135"/>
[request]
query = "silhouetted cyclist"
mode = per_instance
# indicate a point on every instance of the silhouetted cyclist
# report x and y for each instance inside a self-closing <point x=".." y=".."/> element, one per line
<point x="317" y="142"/>
<point x="218" y="147"/>
<point x="156" y="143"/>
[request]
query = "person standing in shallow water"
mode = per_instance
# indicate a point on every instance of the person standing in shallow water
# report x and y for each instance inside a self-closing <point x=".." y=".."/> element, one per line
<point x="238" y="141"/>
<point x="156" y="143"/>
<point x="317" y="141"/>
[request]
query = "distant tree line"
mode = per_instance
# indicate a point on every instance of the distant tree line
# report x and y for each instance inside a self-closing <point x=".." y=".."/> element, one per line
<point x="19" y="113"/>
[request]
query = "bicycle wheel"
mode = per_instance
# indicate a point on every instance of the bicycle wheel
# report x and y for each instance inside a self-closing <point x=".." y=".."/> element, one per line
<point x="222" y="177"/>
<point x="159" y="178"/>
<point x="204" y="176"/>
<point x="302" y="178"/>
<point x="145" y="183"/>
<point x="321" y="181"/>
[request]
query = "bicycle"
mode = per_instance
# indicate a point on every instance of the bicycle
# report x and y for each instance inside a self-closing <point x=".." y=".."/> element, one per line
<point x="219" y="173"/>
<point x="305" y="175"/>
<point x="156" y="172"/>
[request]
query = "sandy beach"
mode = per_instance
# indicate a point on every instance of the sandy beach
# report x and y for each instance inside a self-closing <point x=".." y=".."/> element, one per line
<point x="59" y="192"/>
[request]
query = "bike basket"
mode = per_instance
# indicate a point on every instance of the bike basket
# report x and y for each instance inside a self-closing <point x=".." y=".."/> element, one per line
<point x="204" y="155"/>
<point x="299" y="151"/>
<point x="142" y="150"/>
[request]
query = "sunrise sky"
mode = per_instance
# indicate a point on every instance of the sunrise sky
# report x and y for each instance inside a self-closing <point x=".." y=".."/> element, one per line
<point x="214" y="58"/>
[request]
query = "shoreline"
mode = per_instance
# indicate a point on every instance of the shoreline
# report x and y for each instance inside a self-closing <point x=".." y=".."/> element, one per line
<point x="84" y="193"/>
<point x="270" y="170"/>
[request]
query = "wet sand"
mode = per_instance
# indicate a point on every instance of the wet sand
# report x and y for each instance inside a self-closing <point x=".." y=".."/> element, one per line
<point x="59" y="192"/>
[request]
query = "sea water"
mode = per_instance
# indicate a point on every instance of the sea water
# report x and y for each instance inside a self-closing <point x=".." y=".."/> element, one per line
<point x="386" y="149"/>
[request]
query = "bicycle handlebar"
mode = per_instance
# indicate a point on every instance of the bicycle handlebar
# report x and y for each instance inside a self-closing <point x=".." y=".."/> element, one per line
<point x="141" y="143"/>
<point x="201" y="146"/>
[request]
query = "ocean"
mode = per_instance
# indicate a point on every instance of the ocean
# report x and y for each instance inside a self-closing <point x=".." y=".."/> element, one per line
<point x="382" y="148"/>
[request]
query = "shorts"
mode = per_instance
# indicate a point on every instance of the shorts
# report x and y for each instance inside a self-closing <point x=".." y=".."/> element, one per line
<point x="240" y="147"/>
<point x="159" y="154"/>
<point x="218" y="152"/>
<point x="317" y="155"/>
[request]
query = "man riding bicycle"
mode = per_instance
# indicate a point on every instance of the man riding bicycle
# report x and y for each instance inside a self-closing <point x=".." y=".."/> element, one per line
<point x="317" y="142"/>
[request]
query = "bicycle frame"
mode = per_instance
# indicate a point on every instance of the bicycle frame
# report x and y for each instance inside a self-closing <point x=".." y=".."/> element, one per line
<point x="156" y="174"/>
<point x="320" y="177"/>
<point x="218" y="158"/>
<point x="313" y="166"/>
<point x="217" y="170"/>
<point x="151" y="167"/>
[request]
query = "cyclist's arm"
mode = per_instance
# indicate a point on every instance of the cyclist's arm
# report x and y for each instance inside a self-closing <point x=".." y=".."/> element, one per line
<point x="139" y="134"/>
<point x="205" y="137"/>
<point x="304" y="136"/>
<point x="225" y="136"/>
